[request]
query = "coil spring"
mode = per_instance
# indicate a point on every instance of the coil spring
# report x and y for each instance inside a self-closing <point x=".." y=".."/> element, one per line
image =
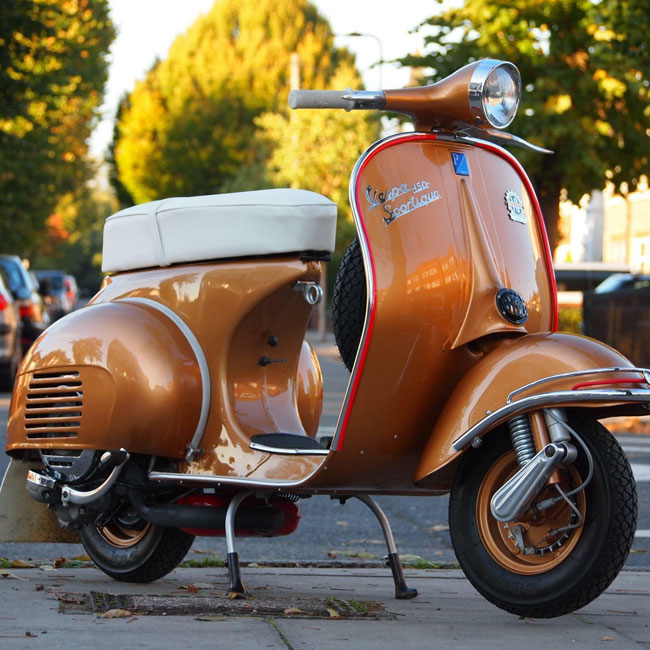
<point x="286" y="496"/>
<point x="522" y="438"/>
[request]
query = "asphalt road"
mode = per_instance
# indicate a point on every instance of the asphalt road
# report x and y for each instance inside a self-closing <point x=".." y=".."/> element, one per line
<point x="350" y="532"/>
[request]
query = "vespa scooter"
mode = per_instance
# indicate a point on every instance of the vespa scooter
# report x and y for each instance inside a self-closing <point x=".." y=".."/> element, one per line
<point x="184" y="399"/>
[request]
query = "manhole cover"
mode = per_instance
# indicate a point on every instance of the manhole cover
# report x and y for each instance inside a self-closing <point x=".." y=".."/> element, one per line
<point x="212" y="605"/>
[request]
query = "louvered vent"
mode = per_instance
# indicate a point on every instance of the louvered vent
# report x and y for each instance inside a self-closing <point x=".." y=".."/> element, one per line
<point x="54" y="405"/>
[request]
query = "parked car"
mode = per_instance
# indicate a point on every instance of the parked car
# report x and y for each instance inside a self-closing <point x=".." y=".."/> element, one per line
<point x="621" y="281"/>
<point x="11" y="351"/>
<point x="54" y="289"/>
<point x="24" y="291"/>
<point x="72" y="289"/>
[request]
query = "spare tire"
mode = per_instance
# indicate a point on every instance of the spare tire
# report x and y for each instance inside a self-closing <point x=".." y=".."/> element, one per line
<point x="349" y="303"/>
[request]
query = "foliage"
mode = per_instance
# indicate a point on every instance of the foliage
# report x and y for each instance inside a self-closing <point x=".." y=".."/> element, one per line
<point x="188" y="127"/>
<point x="52" y="73"/>
<point x="570" y="320"/>
<point x="73" y="241"/>
<point x="584" y="67"/>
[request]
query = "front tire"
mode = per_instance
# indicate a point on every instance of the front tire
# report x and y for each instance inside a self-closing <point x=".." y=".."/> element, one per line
<point x="567" y="570"/>
<point x="129" y="549"/>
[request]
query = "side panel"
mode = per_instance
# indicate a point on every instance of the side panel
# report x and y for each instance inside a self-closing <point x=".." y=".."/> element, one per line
<point x="513" y="363"/>
<point x="107" y="376"/>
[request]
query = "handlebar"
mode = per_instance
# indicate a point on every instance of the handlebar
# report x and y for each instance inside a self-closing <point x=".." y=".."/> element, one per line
<point x="346" y="99"/>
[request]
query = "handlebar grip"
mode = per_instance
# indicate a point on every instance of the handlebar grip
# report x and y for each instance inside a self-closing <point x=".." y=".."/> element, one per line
<point x="320" y="99"/>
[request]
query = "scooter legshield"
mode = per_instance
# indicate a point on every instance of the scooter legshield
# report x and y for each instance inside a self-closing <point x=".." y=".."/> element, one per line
<point x="515" y="363"/>
<point x="109" y="376"/>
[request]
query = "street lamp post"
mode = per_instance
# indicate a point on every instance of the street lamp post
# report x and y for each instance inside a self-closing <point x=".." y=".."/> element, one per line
<point x="380" y="63"/>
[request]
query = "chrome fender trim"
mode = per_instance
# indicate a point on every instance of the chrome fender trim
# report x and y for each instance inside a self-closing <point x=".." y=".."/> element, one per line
<point x="201" y="361"/>
<point x="564" y="398"/>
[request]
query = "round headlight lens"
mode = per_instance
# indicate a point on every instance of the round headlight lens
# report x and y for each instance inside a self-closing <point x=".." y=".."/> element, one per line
<point x="501" y="95"/>
<point x="495" y="90"/>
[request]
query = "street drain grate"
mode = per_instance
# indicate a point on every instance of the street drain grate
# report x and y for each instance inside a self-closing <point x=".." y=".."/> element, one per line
<point x="221" y="606"/>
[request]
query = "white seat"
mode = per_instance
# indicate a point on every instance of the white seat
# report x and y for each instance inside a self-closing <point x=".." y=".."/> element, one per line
<point x="190" y="229"/>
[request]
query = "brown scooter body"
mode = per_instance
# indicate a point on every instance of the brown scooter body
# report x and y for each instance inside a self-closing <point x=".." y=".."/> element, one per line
<point x="197" y="367"/>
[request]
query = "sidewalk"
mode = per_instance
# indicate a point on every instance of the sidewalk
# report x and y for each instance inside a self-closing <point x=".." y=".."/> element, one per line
<point x="52" y="608"/>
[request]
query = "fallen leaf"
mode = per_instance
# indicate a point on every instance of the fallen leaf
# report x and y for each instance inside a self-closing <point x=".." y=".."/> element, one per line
<point x="254" y="565"/>
<point x="191" y="588"/>
<point x="233" y="595"/>
<point x="7" y="574"/>
<point x="57" y="564"/>
<point x="21" y="564"/>
<point x="333" y="613"/>
<point x="607" y="638"/>
<point x="116" y="613"/>
<point x="82" y="558"/>
<point x="293" y="610"/>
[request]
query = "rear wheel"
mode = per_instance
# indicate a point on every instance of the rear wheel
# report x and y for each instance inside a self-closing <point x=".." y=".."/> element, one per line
<point x="551" y="562"/>
<point x="129" y="549"/>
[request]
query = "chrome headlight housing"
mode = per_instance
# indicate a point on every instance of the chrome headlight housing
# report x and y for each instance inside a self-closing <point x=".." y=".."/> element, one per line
<point x="494" y="93"/>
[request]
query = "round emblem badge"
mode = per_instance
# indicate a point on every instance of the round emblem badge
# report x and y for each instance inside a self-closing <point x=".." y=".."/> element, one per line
<point x="515" y="207"/>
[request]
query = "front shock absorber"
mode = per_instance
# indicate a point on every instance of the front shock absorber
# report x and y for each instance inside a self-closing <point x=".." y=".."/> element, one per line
<point x="523" y="441"/>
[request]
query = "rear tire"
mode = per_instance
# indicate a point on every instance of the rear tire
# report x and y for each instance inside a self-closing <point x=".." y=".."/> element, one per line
<point x="129" y="549"/>
<point x="563" y="579"/>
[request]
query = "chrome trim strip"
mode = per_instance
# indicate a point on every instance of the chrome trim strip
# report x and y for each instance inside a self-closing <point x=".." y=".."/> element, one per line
<point x="202" y="363"/>
<point x="289" y="452"/>
<point x="226" y="480"/>
<point x="370" y="285"/>
<point x="575" y="373"/>
<point x="533" y="402"/>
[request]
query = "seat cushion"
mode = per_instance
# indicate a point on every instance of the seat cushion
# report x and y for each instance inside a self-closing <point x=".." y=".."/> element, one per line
<point x="172" y="231"/>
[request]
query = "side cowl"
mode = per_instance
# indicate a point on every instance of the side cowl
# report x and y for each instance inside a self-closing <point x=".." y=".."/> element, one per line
<point x="109" y="376"/>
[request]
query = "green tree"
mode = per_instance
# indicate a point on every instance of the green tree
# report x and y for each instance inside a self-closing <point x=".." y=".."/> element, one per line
<point x="188" y="127"/>
<point x="52" y="73"/>
<point x="585" y="67"/>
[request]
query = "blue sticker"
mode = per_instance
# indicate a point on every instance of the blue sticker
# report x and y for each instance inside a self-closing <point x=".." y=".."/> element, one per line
<point x="461" y="166"/>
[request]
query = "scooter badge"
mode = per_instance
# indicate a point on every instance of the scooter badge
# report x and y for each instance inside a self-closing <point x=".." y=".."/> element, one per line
<point x="461" y="166"/>
<point x="515" y="207"/>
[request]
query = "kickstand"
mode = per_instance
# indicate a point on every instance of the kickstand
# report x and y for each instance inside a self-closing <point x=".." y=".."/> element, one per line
<point x="236" y="589"/>
<point x="402" y="590"/>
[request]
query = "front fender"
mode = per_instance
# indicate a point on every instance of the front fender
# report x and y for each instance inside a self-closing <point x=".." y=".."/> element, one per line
<point x="110" y="375"/>
<point x="512" y="364"/>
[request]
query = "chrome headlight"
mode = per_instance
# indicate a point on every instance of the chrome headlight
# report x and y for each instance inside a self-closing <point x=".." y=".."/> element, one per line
<point x="494" y="92"/>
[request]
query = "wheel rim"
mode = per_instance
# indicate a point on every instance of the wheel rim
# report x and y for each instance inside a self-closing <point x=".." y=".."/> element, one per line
<point x="124" y="532"/>
<point x="498" y="537"/>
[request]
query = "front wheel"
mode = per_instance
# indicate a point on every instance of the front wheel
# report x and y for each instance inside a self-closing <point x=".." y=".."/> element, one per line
<point x="129" y="549"/>
<point x="551" y="562"/>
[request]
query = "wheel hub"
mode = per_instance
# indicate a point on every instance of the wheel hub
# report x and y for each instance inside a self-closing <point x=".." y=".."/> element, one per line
<point x="541" y="540"/>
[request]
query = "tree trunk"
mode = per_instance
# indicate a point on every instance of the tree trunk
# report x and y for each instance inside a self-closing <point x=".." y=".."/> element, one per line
<point x="549" y="201"/>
